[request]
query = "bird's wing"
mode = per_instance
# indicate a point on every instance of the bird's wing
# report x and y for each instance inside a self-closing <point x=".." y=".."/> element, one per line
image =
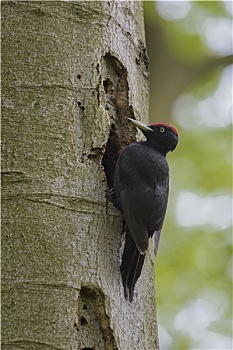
<point x="135" y="217"/>
<point x="143" y="211"/>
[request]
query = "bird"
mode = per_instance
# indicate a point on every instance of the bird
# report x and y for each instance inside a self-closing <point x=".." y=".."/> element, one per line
<point x="140" y="189"/>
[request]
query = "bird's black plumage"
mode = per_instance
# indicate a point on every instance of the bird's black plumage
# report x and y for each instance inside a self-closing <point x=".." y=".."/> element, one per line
<point x="141" y="187"/>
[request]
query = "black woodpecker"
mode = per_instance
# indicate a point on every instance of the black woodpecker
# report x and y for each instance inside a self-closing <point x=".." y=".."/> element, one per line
<point x="141" y="187"/>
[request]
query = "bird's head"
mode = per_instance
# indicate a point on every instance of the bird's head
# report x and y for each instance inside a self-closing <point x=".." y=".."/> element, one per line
<point x="160" y="136"/>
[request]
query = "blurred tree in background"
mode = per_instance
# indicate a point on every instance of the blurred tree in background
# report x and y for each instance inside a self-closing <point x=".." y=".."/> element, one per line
<point x="189" y="45"/>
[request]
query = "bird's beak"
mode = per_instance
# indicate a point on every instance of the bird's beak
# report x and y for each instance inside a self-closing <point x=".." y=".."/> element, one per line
<point x="139" y="125"/>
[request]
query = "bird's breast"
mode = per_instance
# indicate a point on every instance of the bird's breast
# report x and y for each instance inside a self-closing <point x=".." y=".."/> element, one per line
<point x="150" y="163"/>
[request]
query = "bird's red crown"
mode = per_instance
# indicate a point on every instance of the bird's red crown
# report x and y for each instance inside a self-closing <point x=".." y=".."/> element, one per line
<point x="166" y="125"/>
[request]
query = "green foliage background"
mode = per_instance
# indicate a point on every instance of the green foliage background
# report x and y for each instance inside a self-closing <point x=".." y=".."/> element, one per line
<point x="193" y="268"/>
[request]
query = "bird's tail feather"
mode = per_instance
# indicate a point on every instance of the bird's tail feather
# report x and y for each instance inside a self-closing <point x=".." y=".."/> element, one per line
<point x="131" y="266"/>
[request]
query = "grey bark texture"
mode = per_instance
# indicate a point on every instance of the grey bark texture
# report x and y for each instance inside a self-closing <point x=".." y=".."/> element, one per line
<point x="71" y="73"/>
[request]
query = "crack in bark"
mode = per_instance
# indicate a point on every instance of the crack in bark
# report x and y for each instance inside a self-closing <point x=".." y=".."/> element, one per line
<point x="14" y="176"/>
<point x="33" y="344"/>
<point x="121" y="133"/>
<point x="93" y="324"/>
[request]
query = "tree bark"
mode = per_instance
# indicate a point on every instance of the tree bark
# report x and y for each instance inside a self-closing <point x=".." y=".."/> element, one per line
<point x="71" y="73"/>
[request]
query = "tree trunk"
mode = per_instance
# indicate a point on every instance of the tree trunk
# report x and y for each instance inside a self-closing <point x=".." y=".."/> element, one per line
<point x="71" y="73"/>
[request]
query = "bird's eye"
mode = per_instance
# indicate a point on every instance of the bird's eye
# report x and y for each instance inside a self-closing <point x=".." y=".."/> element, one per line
<point x="162" y="129"/>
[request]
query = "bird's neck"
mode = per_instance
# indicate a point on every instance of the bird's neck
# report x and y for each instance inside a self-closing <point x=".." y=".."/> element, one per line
<point x="156" y="146"/>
